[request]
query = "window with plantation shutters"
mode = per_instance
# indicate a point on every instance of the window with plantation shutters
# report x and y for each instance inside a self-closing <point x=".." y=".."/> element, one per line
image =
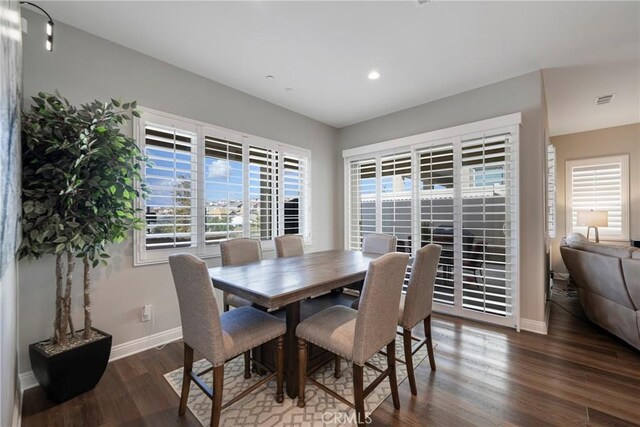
<point x="210" y="184"/>
<point x="457" y="188"/>
<point x="551" y="190"/>
<point x="171" y="207"/>
<point x="599" y="184"/>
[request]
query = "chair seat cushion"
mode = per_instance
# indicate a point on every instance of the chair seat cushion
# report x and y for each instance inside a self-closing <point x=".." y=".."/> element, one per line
<point x="332" y="329"/>
<point x="245" y="328"/>
<point x="236" y="301"/>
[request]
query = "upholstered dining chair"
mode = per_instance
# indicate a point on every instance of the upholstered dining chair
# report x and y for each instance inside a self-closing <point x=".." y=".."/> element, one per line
<point x="219" y="338"/>
<point x="379" y="243"/>
<point x="289" y="245"/>
<point x="416" y="307"/>
<point x="357" y="335"/>
<point x="237" y="252"/>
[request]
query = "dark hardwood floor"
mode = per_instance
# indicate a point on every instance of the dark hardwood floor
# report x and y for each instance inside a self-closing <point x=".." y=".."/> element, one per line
<point x="576" y="375"/>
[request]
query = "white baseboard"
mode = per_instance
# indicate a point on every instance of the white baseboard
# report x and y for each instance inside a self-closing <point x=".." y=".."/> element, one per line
<point x="28" y="380"/>
<point x="537" y="326"/>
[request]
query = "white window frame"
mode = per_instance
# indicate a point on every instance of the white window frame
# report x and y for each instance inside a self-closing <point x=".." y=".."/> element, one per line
<point x="503" y="124"/>
<point x="142" y="256"/>
<point x="623" y="160"/>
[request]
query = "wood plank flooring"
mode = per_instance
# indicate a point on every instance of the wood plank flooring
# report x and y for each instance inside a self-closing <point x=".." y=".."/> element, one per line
<point x="576" y="375"/>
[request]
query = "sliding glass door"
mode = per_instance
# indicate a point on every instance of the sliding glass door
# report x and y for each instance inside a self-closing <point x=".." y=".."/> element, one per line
<point x="460" y="193"/>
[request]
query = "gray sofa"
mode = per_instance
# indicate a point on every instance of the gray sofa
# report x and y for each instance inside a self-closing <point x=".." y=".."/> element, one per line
<point x="608" y="281"/>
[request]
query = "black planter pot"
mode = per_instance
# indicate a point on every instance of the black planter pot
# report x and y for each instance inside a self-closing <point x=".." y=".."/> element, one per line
<point x="71" y="372"/>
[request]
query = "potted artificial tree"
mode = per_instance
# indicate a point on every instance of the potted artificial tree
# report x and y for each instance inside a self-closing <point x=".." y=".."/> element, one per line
<point x="79" y="190"/>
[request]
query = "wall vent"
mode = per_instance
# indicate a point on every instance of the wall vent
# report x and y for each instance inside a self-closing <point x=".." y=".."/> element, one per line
<point x="601" y="100"/>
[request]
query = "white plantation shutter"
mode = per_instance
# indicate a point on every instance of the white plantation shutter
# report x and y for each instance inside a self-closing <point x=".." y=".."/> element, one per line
<point x="170" y="210"/>
<point x="488" y="211"/>
<point x="223" y="189"/>
<point x="294" y="177"/>
<point x="436" y="215"/>
<point x="551" y="190"/>
<point x="263" y="185"/>
<point x="362" y="201"/>
<point x="599" y="184"/>
<point x="396" y="195"/>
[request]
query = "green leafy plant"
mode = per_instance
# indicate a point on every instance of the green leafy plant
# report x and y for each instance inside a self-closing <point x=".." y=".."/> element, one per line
<point x="80" y="182"/>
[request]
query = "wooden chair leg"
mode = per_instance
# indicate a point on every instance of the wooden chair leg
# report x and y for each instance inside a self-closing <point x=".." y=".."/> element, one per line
<point x="393" y="380"/>
<point x="247" y="364"/>
<point x="186" y="379"/>
<point x="427" y="334"/>
<point x="358" y="395"/>
<point x="408" y="357"/>
<point x="218" y="381"/>
<point x="337" y="371"/>
<point x="302" y="371"/>
<point x="279" y="368"/>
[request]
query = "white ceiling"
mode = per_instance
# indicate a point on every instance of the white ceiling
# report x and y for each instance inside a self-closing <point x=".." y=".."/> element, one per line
<point x="324" y="51"/>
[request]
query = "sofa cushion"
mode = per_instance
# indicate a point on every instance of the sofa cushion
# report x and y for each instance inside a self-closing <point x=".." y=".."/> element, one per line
<point x="597" y="248"/>
<point x="631" y="270"/>
<point x="635" y="254"/>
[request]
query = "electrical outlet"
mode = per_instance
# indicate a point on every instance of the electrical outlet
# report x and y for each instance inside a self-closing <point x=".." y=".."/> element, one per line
<point x="146" y="312"/>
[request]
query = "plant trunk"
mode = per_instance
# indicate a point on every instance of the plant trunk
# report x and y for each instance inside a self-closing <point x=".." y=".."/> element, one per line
<point x="66" y="301"/>
<point x="58" y="332"/>
<point x="87" y="298"/>
<point x="71" y="264"/>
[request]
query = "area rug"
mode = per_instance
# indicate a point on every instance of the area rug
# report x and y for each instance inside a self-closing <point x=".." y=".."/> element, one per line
<point x="260" y="408"/>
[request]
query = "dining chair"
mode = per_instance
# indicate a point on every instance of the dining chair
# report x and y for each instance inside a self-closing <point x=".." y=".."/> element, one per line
<point x="379" y="243"/>
<point x="289" y="245"/>
<point x="415" y="307"/>
<point x="356" y="335"/>
<point x="237" y="252"/>
<point x="219" y="338"/>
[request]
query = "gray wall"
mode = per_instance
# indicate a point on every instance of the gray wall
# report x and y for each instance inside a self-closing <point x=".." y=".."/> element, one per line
<point x="520" y="94"/>
<point x="84" y="67"/>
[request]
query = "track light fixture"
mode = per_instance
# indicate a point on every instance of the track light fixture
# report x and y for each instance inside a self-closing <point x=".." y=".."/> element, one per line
<point x="49" y="41"/>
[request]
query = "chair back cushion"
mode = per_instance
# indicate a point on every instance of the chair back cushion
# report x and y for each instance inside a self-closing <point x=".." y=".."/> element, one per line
<point x="379" y="243"/>
<point x="201" y="328"/>
<point x="419" y="299"/>
<point x="289" y="245"/>
<point x="240" y="251"/>
<point x="379" y="302"/>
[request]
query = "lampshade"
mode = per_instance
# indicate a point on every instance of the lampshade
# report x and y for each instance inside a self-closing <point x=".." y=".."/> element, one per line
<point x="593" y="218"/>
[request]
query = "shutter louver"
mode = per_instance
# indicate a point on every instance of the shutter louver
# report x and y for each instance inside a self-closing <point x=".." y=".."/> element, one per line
<point x="171" y="207"/>
<point x="294" y="182"/>
<point x="396" y="190"/>
<point x="551" y="190"/>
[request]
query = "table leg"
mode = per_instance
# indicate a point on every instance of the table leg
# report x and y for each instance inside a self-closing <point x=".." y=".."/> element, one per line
<point x="291" y="349"/>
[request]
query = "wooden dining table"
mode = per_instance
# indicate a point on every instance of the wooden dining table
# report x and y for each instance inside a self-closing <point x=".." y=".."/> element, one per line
<point x="283" y="283"/>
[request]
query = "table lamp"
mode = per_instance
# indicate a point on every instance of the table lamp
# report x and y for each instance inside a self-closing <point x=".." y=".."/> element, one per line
<point x="593" y="219"/>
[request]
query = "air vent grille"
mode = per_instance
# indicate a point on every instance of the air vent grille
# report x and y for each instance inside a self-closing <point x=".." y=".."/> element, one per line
<point x="601" y="100"/>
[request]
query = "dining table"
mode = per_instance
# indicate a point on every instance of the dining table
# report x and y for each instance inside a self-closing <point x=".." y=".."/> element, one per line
<point x="283" y="284"/>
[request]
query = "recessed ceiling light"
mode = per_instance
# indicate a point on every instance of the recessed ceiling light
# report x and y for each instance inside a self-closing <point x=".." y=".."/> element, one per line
<point x="289" y="89"/>
<point x="374" y="75"/>
<point x="269" y="77"/>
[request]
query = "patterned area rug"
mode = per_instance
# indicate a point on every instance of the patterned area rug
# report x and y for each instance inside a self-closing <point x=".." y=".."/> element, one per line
<point x="260" y="407"/>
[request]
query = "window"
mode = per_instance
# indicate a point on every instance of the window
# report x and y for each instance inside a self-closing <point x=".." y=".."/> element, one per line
<point x="458" y="189"/>
<point x="551" y="190"/>
<point x="599" y="184"/>
<point x="210" y="184"/>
